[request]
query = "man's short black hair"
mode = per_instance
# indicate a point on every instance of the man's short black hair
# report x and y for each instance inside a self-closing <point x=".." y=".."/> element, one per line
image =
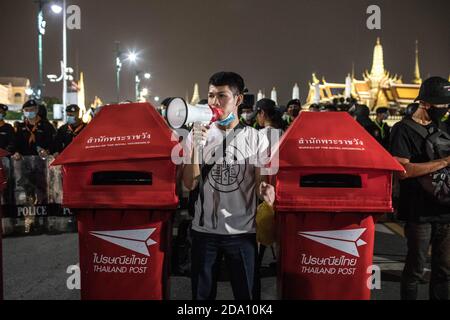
<point x="231" y="79"/>
<point x="294" y="102"/>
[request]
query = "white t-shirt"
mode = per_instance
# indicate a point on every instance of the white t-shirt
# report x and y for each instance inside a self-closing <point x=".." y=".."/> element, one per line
<point x="229" y="190"/>
<point x="273" y="136"/>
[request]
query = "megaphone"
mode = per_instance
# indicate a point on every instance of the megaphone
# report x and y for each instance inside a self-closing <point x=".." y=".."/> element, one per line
<point x="180" y="113"/>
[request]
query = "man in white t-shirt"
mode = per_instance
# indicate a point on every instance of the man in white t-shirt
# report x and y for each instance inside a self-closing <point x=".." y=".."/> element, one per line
<point x="228" y="175"/>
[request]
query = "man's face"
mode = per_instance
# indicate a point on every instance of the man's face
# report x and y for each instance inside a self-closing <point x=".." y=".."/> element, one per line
<point x="222" y="97"/>
<point x="73" y="114"/>
<point x="247" y="114"/>
<point x="292" y="110"/>
<point x="382" y="116"/>
<point x="30" y="110"/>
<point x="247" y="110"/>
<point x="260" y="118"/>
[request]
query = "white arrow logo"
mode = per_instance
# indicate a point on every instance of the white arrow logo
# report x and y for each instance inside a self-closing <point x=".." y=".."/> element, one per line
<point x="134" y="240"/>
<point x="346" y="241"/>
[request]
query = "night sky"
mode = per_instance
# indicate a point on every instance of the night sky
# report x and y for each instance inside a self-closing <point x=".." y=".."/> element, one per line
<point x="270" y="43"/>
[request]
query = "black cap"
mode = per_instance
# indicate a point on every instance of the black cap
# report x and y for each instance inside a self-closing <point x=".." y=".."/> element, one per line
<point x="73" y="108"/>
<point x="435" y="90"/>
<point x="3" y="107"/>
<point x="265" y="104"/>
<point x="30" y="103"/>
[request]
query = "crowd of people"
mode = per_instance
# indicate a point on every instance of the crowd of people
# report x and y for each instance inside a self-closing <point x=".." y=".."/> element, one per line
<point x="224" y="208"/>
<point x="36" y="135"/>
<point x="426" y="216"/>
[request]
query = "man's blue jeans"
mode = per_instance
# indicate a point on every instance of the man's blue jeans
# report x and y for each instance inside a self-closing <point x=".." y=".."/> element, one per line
<point x="239" y="252"/>
<point x="420" y="236"/>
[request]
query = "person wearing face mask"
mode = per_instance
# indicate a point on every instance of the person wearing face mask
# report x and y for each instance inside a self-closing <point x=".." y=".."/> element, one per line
<point x="247" y="115"/>
<point x="382" y="114"/>
<point x="34" y="136"/>
<point x="427" y="221"/>
<point x="69" y="131"/>
<point x="223" y="161"/>
<point x="6" y="131"/>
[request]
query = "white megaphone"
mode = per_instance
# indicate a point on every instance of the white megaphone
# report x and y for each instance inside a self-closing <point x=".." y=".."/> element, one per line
<point x="180" y="113"/>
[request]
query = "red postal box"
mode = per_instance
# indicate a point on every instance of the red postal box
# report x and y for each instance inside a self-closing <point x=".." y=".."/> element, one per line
<point x="119" y="177"/>
<point x="333" y="179"/>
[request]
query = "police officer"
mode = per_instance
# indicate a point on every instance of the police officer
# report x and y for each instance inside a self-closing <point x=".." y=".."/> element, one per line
<point x="34" y="136"/>
<point x="70" y="130"/>
<point x="6" y="131"/>
<point x="385" y="129"/>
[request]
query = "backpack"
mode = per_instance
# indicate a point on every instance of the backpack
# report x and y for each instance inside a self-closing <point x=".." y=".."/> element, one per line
<point x="437" y="146"/>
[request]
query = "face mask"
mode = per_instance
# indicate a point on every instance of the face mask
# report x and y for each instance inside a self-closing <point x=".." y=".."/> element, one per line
<point x="30" y="115"/>
<point x="71" y="120"/>
<point x="227" y="121"/>
<point x="247" y="116"/>
<point x="436" y="114"/>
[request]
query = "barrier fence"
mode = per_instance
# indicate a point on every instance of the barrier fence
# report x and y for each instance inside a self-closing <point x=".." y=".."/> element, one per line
<point x="32" y="201"/>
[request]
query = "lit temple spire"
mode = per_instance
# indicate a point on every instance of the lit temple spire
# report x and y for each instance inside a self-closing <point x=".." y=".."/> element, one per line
<point x="378" y="62"/>
<point x="273" y="95"/>
<point x="260" y="95"/>
<point x="81" y="94"/>
<point x="314" y="78"/>
<point x="417" y="78"/>
<point x="196" y="96"/>
<point x="296" y="92"/>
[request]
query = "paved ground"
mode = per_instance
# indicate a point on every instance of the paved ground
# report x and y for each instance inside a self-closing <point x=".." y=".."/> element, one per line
<point x="35" y="268"/>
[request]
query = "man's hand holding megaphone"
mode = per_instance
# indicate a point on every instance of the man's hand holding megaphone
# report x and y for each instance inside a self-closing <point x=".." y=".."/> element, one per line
<point x="199" y="134"/>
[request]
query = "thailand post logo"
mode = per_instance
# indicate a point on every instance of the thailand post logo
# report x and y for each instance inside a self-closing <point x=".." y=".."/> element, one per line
<point x="346" y="241"/>
<point x="134" y="240"/>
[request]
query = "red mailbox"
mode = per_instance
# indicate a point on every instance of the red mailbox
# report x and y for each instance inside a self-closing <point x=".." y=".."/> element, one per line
<point x="3" y="153"/>
<point x="119" y="177"/>
<point x="334" y="179"/>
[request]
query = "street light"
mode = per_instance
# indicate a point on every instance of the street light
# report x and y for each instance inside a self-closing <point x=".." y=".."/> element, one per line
<point x="56" y="8"/>
<point x="120" y="57"/>
<point x="29" y="91"/>
<point x="132" y="56"/>
<point x="137" y="82"/>
<point x="65" y="71"/>
<point x="41" y="24"/>
<point x="144" y="93"/>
